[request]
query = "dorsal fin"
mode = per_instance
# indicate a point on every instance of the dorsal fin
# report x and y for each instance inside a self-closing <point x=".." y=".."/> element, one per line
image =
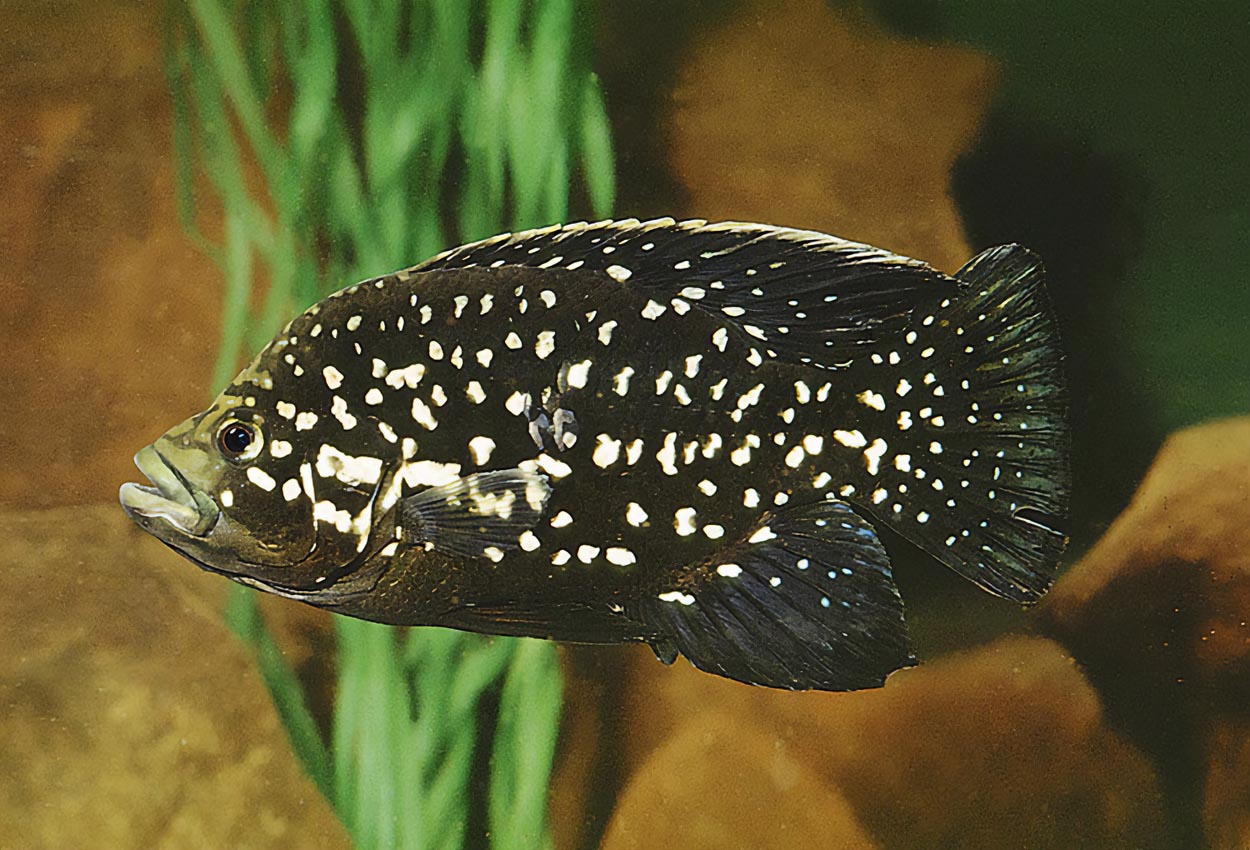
<point x="803" y="296"/>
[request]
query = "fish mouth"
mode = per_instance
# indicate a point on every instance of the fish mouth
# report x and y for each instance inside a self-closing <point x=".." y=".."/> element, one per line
<point x="169" y="498"/>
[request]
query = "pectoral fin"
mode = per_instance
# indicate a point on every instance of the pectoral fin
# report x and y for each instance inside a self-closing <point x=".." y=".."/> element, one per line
<point x="476" y="515"/>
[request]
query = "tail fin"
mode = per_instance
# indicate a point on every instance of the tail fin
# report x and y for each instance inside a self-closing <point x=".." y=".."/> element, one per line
<point x="982" y="476"/>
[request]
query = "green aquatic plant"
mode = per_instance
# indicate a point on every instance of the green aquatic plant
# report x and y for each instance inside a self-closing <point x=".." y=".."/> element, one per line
<point x="340" y="139"/>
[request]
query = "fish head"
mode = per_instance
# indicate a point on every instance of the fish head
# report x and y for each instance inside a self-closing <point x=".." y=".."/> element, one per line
<point x="228" y="491"/>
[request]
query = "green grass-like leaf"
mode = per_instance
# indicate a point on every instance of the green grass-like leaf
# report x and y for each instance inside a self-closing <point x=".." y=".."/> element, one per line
<point x="340" y="138"/>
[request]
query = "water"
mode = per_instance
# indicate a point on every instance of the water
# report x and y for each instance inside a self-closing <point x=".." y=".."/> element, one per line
<point x="134" y="717"/>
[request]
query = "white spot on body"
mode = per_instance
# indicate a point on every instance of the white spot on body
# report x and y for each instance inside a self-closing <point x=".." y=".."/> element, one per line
<point x="676" y="596"/>
<point x="333" y="463"/>
<point x="763" y="535"/>
<point x="607" y="451"/>
<point x="545" y="345"/>
<point x="620" y="383"/>
<point x="480" y="447"/>
<point x="260" y="478"/>
<point x="553" y="467"/>
<point x="653" y="310"/>
<point x="633" y="452"/>
<point x="338" y="407"/>
<point x="333" y="377"/>
<point x="517" y="402"/>
<point x="667" y="455"/>
<point x="873" y="455"/>
<point x="872" y="399"/>
<point x="578" y="374"/>
<point x="423" y="415"/>
<point x="620" y="556"/>
<point x="851" y="439"/>
<point x="409" y="376"/>
<point x="662" y="382"/>
<point x="683" y="521"/>
<point x="712" y="445"/>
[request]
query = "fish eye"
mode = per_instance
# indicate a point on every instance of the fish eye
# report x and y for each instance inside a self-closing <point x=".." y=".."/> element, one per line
<point x="238" y="441"/>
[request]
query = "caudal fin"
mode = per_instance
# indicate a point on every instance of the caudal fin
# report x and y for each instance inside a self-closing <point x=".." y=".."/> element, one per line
<point x="978" y="468"/>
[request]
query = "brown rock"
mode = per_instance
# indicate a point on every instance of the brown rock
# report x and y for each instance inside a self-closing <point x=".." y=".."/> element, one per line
<point x="793" y="114"/>
<point x="1226" y="792"/>
<point x="724" y="782"/>
<point x="132" y="718"/>
<point x="1002" y="746"/>
<point x="105" y="302"/>
<point x="1158" y="612"/>
<point x="1167" y="588"/>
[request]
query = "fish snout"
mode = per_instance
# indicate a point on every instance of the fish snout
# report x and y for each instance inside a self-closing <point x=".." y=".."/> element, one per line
<point x="169" y="497"/>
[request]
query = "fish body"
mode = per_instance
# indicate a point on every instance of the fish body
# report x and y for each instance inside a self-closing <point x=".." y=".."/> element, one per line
<point x="676" y="433"/>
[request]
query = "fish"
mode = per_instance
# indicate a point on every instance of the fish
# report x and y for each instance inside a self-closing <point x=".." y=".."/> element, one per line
<point x="678" y="433"/>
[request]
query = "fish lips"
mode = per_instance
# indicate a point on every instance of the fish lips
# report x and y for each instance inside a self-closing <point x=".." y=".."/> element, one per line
<point x="170" y="501"/>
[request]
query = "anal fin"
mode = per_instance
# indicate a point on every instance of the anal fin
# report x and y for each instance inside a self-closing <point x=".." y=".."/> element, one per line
<point x="807" y="601"/>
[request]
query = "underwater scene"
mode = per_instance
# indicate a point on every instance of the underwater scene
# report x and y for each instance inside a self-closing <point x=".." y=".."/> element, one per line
<point x="559" y="424"/>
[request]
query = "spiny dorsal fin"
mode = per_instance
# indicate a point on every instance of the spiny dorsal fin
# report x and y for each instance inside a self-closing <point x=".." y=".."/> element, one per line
<point x="806" y="601"/>
<point x="802" y="296"/>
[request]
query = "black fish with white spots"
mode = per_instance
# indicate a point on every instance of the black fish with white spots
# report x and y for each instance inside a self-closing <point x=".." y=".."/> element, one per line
<point x="676" y="433"/>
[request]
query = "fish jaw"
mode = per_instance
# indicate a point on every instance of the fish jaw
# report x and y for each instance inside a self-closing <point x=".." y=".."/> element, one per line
<point x="168" y="506"/>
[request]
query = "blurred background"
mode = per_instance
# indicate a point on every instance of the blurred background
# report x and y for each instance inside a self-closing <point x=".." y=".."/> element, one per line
<point x="179" y="179"/>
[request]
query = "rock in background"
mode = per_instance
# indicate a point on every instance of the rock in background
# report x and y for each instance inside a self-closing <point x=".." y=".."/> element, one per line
<point x="1157" y="613"/>
<point x="794" y="113"/>
<point x="132" y="717"/>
